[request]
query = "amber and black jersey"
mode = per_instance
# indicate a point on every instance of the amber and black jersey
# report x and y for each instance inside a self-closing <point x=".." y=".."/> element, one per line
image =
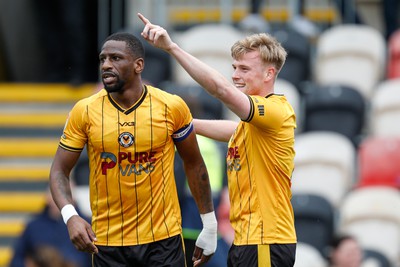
<point x="260" y="161"/>
<point x="131" y="155"/>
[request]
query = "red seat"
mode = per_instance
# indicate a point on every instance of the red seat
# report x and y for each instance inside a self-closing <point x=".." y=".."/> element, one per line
<point x="393" y="68"/>
<point x="379" y="162"/>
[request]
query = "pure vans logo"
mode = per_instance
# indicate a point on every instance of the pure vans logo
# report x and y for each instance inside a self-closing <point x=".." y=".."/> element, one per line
<point x="127" y="123"/>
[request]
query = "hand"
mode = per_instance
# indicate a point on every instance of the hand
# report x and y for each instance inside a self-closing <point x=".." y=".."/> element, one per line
<point x="155" y="35"/>
<point x="81" y="234"/>
<point x="206" y="243"/>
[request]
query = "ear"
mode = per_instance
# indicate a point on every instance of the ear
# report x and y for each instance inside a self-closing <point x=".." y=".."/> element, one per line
<point x="139" y="65"/>
<point x="270" y="73"/>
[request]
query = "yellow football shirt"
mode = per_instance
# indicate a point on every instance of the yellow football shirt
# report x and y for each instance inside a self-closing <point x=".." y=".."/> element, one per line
<point x="260" y="161"/>
<point x="131" y="155"/>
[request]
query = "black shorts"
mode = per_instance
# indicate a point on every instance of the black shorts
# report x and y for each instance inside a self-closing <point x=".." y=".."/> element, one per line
<point x="165" y="253"/>
<point x="274" y="255"/>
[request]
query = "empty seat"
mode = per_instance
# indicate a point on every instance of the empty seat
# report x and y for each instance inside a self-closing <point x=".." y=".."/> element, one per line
<point x="385" y="109"/>
<point x="336" y="108"/>
<point x="158" y="66"/>
<point x="314" y="221"/>
<point x="211" y="43"/>
<point x="393" y="66"/>
<point x="81" y="171"/>
<point x="372" y="215"/>
<point x="202" y="104"/>
<point x="353" y="55"/>
<point x="379" y="162"/>
<point x="373" y="258"/>
<point x="297" y="66"/>
<point x="324" y="165"/>
<point x="82" y="197"/>
<point x="308" y="256"/>
<point x="292" y="95"/>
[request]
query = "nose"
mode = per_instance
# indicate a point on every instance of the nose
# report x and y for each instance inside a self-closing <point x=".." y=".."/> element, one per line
<point x="105" y="64"/>
<point x="235" y="75"/>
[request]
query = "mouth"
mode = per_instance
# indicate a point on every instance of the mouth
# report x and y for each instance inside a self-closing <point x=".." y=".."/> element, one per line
<point x="239" y="85"/>
<point x="108" y="77"/>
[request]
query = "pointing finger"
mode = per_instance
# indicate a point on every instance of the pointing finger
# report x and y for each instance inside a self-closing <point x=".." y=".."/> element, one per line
<point x="143" y="19"/>
<point x="147" y="25"/>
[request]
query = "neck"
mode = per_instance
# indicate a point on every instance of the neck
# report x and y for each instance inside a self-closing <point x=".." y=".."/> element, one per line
<point x="127" y="98"/>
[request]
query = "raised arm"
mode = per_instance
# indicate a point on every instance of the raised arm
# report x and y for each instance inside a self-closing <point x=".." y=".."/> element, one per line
<point x="210" y="79"/>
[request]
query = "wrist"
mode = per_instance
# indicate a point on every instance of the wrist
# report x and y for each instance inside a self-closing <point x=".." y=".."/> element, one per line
<point x="67" y="212"/>
<point x="209" y="220"/>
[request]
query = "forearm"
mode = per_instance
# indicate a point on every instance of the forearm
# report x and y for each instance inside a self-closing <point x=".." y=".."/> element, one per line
<point x="210" y="79"/>
<point x="220" y="130"/>
<point x="200" y="188"/>
<point x="60" y="189"/>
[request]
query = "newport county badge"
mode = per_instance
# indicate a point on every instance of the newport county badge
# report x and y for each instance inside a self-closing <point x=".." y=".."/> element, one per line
<point x="126" y="139"/>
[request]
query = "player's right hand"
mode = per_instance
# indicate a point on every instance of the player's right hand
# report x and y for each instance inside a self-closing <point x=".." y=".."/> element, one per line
<point x="81" y="234"/>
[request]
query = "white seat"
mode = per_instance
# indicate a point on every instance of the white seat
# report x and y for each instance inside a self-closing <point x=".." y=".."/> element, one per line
<point x="308" y="256"/>
<point x="81" y="196"/>
<point x="292" y="94"/>
<point x="211" y="43"/>
<point x="352" y="55"/>
<point x="324" y="165"/>
<point x="372" y="215"/>
<point x="385" y="109"/>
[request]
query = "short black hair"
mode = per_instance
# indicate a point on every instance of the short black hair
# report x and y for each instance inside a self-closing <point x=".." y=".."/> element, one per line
<point x="133" y="43"/>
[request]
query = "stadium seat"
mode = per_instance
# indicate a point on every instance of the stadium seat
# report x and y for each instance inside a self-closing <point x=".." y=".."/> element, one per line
<point x="292" y="95"/>
<point x="308" y="256"/>
<point x="336" y="108"/>
<point x="372" y="215"/>
<point x="81" y="171"/>
<point x="314" y="221"/>
<point x="378" y="162"/>
<point x="393" y="66"/>
<point x="353" y="55"/>
<point x="202" y="104"/>
<point x="158" y="66"/>
<point x="373" y="258"/>
<point x="81" y="196"/>
<point x="210" y="43"/>
<point x="324" y="165"/>
<point x="297" y="66"/>
<point x="385" y="109"/>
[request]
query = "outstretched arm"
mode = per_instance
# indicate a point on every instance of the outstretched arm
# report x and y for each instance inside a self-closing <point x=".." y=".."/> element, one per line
<point x="210" y="79"/>
<point x="220" y="130"/>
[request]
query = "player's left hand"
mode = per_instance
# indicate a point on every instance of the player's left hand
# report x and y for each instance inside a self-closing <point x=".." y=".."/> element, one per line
<point x="206" y="243"/>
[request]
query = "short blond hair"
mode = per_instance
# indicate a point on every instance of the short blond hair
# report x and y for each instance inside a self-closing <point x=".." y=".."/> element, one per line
<point x="271" y="51"/>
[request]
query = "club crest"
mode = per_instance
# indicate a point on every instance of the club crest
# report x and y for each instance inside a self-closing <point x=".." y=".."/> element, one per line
<point x="126" y="139"/>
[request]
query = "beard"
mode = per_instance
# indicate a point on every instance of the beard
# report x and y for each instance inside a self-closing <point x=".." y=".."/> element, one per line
<point x="114" y="87"/>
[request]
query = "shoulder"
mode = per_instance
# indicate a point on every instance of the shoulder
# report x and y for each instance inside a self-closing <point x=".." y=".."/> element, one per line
<point x="91" y="99"/>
